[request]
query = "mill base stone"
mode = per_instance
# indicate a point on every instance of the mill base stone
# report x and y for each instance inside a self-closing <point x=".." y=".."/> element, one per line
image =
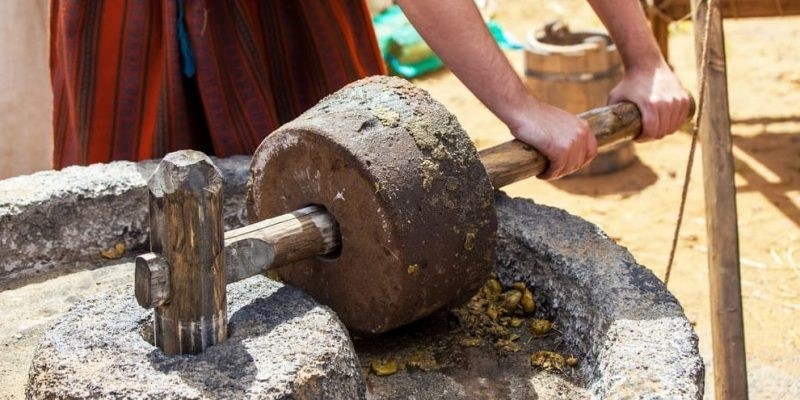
<point x="282" y="345"/>
<point x="630" y="333"/>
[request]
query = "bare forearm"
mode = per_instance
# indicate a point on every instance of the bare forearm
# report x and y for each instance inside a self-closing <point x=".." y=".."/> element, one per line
<point x="627" y="25"/>
<point x="648" y="81"/>
<point x="465" y="45"/>
<point x="468" y="49"/>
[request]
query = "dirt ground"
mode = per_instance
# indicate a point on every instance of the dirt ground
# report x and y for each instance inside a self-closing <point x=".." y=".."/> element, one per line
<point x="636" y="206"/>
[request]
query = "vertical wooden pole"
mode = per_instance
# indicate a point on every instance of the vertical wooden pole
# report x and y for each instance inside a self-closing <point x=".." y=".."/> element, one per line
<point x="727" y="327"/>
<point x="186" y="225"/>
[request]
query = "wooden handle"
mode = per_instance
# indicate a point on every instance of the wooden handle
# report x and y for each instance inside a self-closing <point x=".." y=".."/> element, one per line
<point x="254" y="249"/>
<point x="514" y="160"/>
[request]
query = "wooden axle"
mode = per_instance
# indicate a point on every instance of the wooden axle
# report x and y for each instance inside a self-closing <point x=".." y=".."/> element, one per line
<point x="249" y="251"/>
<point x="311" y="231"/>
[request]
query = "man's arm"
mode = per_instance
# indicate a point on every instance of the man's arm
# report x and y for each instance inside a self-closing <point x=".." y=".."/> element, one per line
<point x="468" y="49"/>
<point x="648" y="80"/>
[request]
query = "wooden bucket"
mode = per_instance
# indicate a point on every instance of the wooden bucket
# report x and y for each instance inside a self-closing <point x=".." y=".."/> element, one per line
<point x="575" y="71"/>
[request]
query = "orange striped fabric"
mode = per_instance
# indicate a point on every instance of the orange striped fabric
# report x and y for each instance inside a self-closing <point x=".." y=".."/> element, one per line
<point x="119" y="93"/>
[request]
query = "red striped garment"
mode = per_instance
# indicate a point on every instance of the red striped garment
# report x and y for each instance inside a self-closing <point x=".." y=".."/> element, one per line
<point x="120" y="94"/>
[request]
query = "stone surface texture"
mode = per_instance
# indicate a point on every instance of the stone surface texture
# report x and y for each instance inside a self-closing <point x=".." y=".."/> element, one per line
<point x="633" y="335"/>
<point x="58" y="221"/>
<point x="282" y="345"/>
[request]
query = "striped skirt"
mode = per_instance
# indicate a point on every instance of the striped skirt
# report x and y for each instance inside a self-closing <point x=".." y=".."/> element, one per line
<point x="135" y="80"/>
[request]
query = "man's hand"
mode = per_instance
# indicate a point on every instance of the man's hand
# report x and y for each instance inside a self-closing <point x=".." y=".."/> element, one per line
<point x="564" y="139"/>
<point x="648" y="82"/>
<point x="661" y="99"/>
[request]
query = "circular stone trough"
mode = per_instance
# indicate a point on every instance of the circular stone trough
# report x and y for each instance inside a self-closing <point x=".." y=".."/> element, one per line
<point x="629" y="333"/>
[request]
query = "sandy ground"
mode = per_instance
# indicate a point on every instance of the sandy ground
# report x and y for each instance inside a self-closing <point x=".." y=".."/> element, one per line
<point x="637" y="206"/>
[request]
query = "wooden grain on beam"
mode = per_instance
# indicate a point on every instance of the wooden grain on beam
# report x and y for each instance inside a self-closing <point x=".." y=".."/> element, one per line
<point x="727" y="327"/>
<point x="677" y="9"/>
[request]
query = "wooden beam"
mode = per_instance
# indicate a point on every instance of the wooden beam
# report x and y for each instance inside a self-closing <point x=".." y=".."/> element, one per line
<point x="727" y="327"/>
<point x="663" y="12"/>
<point x="677" y="9"/>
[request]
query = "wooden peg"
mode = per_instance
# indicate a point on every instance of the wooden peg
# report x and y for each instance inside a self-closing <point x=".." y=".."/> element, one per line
<point x="187" y="231"/>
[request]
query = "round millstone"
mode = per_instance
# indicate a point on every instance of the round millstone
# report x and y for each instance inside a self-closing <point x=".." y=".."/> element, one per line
<point x="413" y="202"/>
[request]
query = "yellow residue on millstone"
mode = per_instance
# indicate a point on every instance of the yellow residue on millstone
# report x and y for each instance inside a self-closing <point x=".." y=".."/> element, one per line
<point x="440" y="153"/>
<point x="511" y="299"/>
<point x="571" y="361"/>
<point x="451" y="184"/>
<point x="470" y="341"/>
<point x="493" y="286"/>
<point x="429" y="171"/>
<point x="383" y="367"/>
<point x="413" y="269"/>
<point x="114" y="253"/>
<point x="528" y="305"/>
<point x="540" y="327"/>
<point x="482" y="324"/>
<point x="469" y="239"/>
<point x="548" y="360"/>
<point x="508" y="343"/>
<point x="387" y="117"/>
<point x="419" y="131"/>
<point x="491" y="315"/>
<point x="423" y="360"/>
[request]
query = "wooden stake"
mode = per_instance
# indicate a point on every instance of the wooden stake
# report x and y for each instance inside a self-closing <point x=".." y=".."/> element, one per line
<point x="727" y="327"/>
<point x="186" y="225"/>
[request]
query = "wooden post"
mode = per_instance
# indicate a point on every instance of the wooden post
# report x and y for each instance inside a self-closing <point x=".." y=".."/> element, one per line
<point x="187" y="230"/>
<point x="727" y="327"/>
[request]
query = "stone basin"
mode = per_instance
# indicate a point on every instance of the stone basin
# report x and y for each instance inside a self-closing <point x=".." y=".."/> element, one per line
<point x="629" y="333"/>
